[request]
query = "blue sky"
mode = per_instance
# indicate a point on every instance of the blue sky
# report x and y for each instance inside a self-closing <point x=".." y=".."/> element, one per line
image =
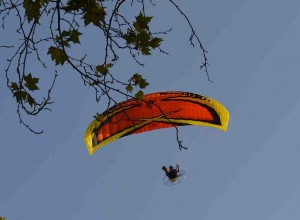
<point x="249" y="172"/>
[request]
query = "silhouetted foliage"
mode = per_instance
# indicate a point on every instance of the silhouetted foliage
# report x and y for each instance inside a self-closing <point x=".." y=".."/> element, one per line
<point x="68" y="21"/>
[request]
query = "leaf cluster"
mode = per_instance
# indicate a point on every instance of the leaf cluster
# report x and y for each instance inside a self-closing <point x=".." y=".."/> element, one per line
<point x="138" y="81"/>
<point x="92" y="10"/>
<point x="33" y="9"/>
<point x="141" y="38"/>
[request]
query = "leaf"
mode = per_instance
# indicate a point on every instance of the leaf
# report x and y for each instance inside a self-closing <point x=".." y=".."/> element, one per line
<point x="43" y="2"/>
<point x="32" y="9"/>
<point x="143" y="42"/>
<point x="140" y="81"/>
<point x="139" y="95"/>
<point x="143" y="84"/>
<point x="26" y="3"/>
<point x="141" y="22"/>
<point x="30" y="100"/>
<point x="109" y="65"/>
<point x="155" y="42"/>
<point x="145" y="51"/>
<point x="65" y="33"/>
<point x="63" y="42"/>
<point x="58" y="55"/>
<point x="94" y="14"/>
<point x="68" y="36"/>
<point x="136" y="78"/>
<point x="14" y="86"/>
<point x="129" y="88"/>
<point x="31" y="82"/>
<point x="20" y="95"/>
<point x="130" y="37"/>
<point x="102" y="69"/>
<point x="144" y="38"/>
<point x="74" y="36"/>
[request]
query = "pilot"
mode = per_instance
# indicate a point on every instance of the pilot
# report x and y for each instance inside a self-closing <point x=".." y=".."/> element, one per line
<point x="172" y="172"/>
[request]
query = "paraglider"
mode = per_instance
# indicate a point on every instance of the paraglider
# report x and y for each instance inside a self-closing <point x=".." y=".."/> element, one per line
<point x="155" y="111"/>
<point x="172" y="173"/>
<point x="173" y="176"/>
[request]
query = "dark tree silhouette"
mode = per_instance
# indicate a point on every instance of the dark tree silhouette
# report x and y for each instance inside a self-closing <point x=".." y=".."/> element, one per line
<point x="67" y="21"/>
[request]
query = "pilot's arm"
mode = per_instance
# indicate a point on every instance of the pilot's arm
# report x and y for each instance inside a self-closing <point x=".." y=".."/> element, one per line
<point x="177" y="167"/>
<point x="165" y="169"/>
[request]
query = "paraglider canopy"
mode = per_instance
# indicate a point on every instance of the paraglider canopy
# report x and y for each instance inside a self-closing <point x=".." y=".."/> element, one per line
<point x="155" y="111"/>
